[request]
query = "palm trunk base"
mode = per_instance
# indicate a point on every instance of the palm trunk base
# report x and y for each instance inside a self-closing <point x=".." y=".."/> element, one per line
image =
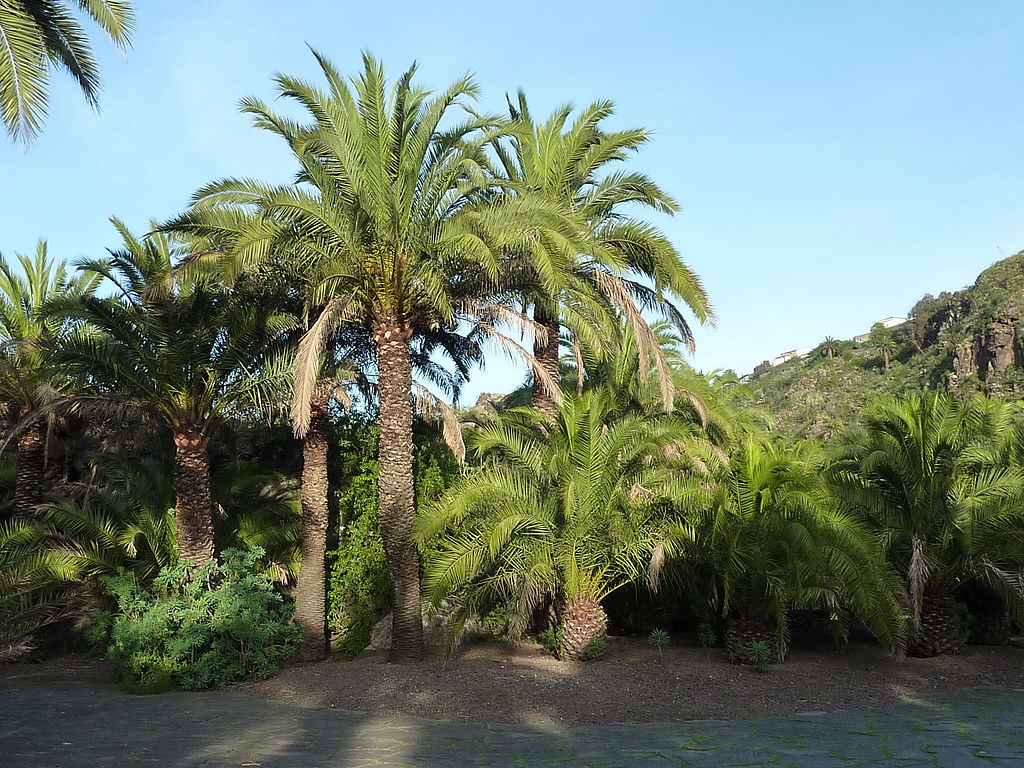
<point x="396" y="492"/>
<point x="584" y="625"/>
<point x="939" y="630"/>
<point x="993" y="627"/>
<point x="311" y="584"/>
<point x="741" y="634"/>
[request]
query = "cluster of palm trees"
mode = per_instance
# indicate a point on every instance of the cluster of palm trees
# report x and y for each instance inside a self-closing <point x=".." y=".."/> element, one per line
<point x="418" y="233"/>
<point x="887" y="527"/>
<point x="417" y="230"/>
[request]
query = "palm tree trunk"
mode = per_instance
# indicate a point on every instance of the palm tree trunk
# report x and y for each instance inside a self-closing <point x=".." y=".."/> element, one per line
<point x="584" y="622"/>
<point x="397" y="510"/>
<point x="30" y="467"/>
<point x="193" y="513"/>
<point x="546" y="353"/>
<point x="310" y="587"/>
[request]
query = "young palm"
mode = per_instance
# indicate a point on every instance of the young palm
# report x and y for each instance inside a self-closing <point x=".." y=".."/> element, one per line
<point x="183" y="354"/>
<point x="931" y="474"/>
<point x="830" y="347"/>
<point x="28" y="378"/>
<point x="583" y="290"/>
<point x="572" y="508"/>
<point x="397" y="214"/>
<point x="35" y="36"/>
<point x="761" y="531"/>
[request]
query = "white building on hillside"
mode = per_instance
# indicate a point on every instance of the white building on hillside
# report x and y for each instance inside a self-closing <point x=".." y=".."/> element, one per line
<point x="889" y="322"/>
<point x="798" y="352"/>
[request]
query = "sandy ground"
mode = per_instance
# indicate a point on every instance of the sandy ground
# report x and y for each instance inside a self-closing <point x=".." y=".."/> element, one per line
<point x="632" y="683"/>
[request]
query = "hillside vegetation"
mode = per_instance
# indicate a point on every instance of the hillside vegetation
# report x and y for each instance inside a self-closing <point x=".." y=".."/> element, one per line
<point x="963" y="341"/>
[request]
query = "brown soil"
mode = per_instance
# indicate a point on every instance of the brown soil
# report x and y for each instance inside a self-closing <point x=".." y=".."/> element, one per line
<point x="632" y="683"/>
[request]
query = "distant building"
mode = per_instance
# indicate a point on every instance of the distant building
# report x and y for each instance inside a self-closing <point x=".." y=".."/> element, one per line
<point x="798" y="352"/>
<point x="889" y="322"/>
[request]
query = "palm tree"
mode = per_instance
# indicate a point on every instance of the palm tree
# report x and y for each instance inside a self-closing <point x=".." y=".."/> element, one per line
<point x="184" y="355"/>
<point x="27" y="377"/>
<point x="759" y="537"/>
<point x="35" y="36"/>
<point x="830" y="347"/>
<point x="931" y="474"/>
<point x="568" y="163"/>
<point x="883" y="343"/>
<point x="396" y="212"/>
<point x="572" y="508"/>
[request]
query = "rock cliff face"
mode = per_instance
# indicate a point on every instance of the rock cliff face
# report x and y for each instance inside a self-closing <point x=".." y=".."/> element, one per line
<point x="967" y="340"/>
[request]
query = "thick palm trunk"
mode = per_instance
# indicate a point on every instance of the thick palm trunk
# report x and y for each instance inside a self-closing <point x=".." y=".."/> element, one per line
<point x="397" y="512"/>
<point x="30" y="466"/>
<point x="937" y="631"/>
<point x="584" y="621"/>
<point x="310" y="588"/>
<point x="546" y="353"/>
<point x="193" y="513"/>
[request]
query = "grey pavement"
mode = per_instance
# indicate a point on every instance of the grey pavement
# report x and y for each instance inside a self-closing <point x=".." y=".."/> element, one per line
<point x="82" y="725"/>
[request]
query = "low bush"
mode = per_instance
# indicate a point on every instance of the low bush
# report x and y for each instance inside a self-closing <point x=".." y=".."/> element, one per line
<point x="198" y="627"/>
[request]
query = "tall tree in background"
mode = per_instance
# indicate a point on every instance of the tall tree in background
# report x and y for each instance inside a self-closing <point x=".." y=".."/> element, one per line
<point x="37" y="35"/>
<point x="569" y="162"/>
<point x="398" y="211"/>
<point x="183" y="354"/>
<point x="28" y="379"/>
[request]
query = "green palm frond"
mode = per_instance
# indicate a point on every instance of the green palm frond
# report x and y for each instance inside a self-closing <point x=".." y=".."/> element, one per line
<point x="37" y="35"/>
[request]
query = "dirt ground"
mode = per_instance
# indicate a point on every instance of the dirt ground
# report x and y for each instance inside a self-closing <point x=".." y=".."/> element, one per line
<point x="633" y="682"/>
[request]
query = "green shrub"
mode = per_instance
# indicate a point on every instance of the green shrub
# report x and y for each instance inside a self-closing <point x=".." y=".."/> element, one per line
<point x="596" y="648"/>
<point x="200" y="627"/>
<point x="658" y="638"/>
<point x="551" y="638"/>
<point x="359" y="589"/>
<point x="759" y="654"/>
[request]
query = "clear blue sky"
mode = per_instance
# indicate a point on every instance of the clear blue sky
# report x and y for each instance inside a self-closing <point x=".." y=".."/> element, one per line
<point x="834" y="161"/>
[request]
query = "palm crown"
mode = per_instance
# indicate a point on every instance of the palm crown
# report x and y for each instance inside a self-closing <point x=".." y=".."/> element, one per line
<point x="184" y="354"/>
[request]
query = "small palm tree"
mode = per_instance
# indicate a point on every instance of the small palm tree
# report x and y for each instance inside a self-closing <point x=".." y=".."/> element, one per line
<point x="932" y="475"/>
<point x="28" y="378"/>
<point x="35" y="36"/>
<point x="830" y="347"/>
<point x="185" y="355"/>
<point x="882" y="341"/>
<point x="573" y="509"/>
<point x="760" y="537"/>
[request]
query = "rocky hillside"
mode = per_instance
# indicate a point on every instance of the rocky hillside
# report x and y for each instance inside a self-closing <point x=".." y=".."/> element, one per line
<point x="972" y="339"/>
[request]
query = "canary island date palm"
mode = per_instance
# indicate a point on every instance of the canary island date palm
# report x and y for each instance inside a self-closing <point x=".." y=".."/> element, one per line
<point x="628" y="264"/>
<point x="38" y="35"/>
<point x="28" y="377"/>
<point x="931" y="474"/>
<point x="396" y="208"/>
<point x="759" y="536"/>
<point x="183" y="354"/>
<point x="573" y="508"/>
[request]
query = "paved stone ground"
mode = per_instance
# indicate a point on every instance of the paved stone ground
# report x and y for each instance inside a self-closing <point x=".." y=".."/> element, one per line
<point x="81" y="725"/>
